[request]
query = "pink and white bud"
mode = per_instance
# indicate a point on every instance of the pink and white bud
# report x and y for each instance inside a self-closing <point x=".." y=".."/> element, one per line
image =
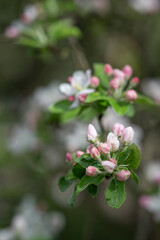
<point x="79" y="153"/>
<point x="103" y="148"/>
<point x="115" y="83"/>
<point x="88" y="150"/>
<point x="82" y="97"/>
<point x="108" y="69"/>
<point x="95" y="153"/>
<point x="119" y="74"/>
<point x="127" y="135"/>
<point x="108" y="166"/>
<point x="118" y="129"/>
<point x="131" y="95"/>
<point x="94" y="82"/>
<point x="123" y="175"/>
<point x="91" y="134"/>
<point x="127" y="70"/>
<point x="71" y="98"/>
<point x="68" y="157"/>
<point x="113" y="160"/>
<point x="144" y="201"/>
<point x="70" y="79"/>
<point x="12" y="32"/>
<point x="91" y="171"/>
<point x="135" y="80"/>
<point x="113" y="142"/>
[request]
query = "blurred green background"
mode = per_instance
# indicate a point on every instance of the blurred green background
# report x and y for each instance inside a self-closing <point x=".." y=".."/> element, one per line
<point x="112" y="32"/>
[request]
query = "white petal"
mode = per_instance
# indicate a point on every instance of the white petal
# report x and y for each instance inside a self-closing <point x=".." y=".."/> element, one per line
<point x="66" y="89"/>
<point x="75" y="103"/>
<point x="88" y="78"/>
<point x="87" y="91"/>
<point x="78" y="78"/>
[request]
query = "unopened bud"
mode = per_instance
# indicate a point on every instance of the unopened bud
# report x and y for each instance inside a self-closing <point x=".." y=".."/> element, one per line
<point x="123" y="175"/>
<point x="118" y="129"/>
<point x="113" y="142"/>
<point x="71" y="98"/>
<point x="135" y="80"/>
<point x="91" y="134"/>
<point x="113" y="160"/>
<point x="127" y="70"/>
<point x="103" y="148"/>
<point x="68" y="157"/>
<point x="92" y="171"/>
<point x="119" y="74"/>
<point x="115" y="83"/>
<point x="108" y="166"/>
<point x="82" y="97"/>
<point x="127" y="135"/>
<point x="131" y="95"/>
<point x="95" y="153"/>
<point x="88" y="150"/>
<point x="108" y="69"/>
<point x="94" y="82"/>
<point x="79" y="153"/>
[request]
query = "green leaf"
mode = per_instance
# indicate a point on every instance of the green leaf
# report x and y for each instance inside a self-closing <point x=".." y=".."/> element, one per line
<point x="131" y="111"/>
<point x="115" y="194"/>
<point x="78" y="170"/>
<point x="145" y="100"/>
<point x="70" y="175"/>
<point x="86" y="160"/>
<point x="83" y="184"/>
<point x="134" y="176"/>
<point x="64" y="184"/>
<point x="120" y="108"/>
<point x="99" y="72"/>
<point x="70" y="114"/>
<point x="130" y="156"/>
<point x="60" y="106"/>
<point x="96" y="96"/>
<point x="92" y="190"/>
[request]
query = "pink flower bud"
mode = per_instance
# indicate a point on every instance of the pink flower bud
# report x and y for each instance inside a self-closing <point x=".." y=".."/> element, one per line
<point x="82" y="97"/>
<point x="135" y="80"/>
<point x="114" y="83"/>
<point x="144" y="201"/>
<point x="127" y="135"/>
<point x="95" y="153"/>
<point x="11" y="32"/>
<point x="113" y="142"/>
<point x="108" y="166"/>
<point x="91" y="171"/>
<point x="103" y="148"/>
<point x="70" y="79"/>
<point x="127" y="70"/>
<point x="71" y="98"/>
<point x="68" y="157"/>
<point x="131" y="95"/>
<point x="108" y="69"/>
<point x="79" y="153"/>
<point x="94" y="82"/>
<point x="91" y="134"/>
<point x="119" y="74"/>
<point x="113" y="160"/>
<point x="123" y="175"/>
<point x="118" y="129"/>
<point x="88" y="150"/>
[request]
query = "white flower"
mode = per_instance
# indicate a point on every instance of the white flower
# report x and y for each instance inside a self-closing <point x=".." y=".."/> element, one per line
<point x="152" y="171"/>
<point x="79" y="85"/>
<point x="151" y="87"/>
<point x="30" y="13"/>
<point x="113" y="142"/>
<point x="145" y="6"/>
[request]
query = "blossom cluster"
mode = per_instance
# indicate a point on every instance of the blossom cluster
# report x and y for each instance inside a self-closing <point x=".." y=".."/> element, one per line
<point x="105" y="152"/>
<point x="29" y="14"/>
<point x="81" y="84"/>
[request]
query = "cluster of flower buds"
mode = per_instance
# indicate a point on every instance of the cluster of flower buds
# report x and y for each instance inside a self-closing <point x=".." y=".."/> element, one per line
<point x="29" y="14"/>
<point x="106" y="152"/>
<point x="120" y="80"/>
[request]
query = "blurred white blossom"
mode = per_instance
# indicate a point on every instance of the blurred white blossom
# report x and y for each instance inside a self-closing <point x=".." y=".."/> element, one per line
<point x="152" y="172"/>
<point x="145" y="6"/>
<point x="151" y="88"/>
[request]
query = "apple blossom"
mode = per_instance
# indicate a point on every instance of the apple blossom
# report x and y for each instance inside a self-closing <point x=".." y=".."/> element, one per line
<point x="118" y="129"/>
<point x="108" y="69"/>
<point x="113" y="160"/>
<point x="79" y="153"/>
<point x="127" y="70"/>
<point x="113" y="142"/>
<point x="127" y="135"/>
<point x="135" y="80"/>
<point x="131" y="95"/>
<point x="103" y="148"/>
<point x="94" y="82"/>
<point x="123" y="175"/>
<point x="69" y="157"/>
<point x="115" y="83"/>
<point x="119" y="74"/>
<point x="95" y="153"/>
<point x="92" y="171"/>
<point x="91" y="134"/>
<point x="108" y="166"/>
